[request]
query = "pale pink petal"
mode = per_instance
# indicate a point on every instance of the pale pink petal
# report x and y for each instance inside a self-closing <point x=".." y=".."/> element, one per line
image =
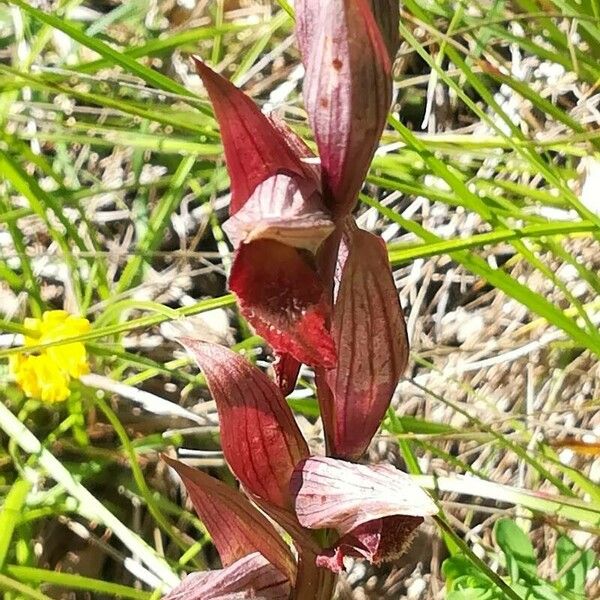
<point x="285" y="209"/>
<point x="343" y="495"/>
<point x="251" y="577"/>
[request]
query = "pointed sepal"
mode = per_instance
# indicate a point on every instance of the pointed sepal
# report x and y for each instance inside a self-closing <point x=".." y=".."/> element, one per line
<point x="254" y="148"/>
<point x="236" y="527"/>
<point x="259" y="436"/>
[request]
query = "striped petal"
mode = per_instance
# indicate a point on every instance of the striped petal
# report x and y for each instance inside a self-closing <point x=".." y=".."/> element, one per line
<point x="369" y="333"/>
<point x="260" y="439"/>
<point x="250" y="577"/>
<point x="347" y="90"/>
<point x="236" y="527"/>
<point x="285" y="209"/>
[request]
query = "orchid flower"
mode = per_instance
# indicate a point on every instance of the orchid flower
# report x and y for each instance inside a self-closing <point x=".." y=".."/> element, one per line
<point x="330" y="508"/>
<point x="315" y="286"/>
<point x="321" y="292"/>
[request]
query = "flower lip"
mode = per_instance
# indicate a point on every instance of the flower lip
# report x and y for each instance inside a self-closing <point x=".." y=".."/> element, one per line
<point x="281" y="294"/>
<point x="373" y="508"/>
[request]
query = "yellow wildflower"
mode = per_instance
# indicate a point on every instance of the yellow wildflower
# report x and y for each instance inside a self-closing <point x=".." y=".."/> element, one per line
<point x="46" y="375"/>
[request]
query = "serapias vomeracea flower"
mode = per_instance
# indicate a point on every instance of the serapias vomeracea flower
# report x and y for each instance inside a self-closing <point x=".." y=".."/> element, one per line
<point x="321" y="292"/>
<point x="362" y="511"/>
<point x="315" y="286"/>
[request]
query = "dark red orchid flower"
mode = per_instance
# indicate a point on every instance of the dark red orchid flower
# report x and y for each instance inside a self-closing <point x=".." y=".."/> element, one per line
<point x="363" y="511"/>
<point x="316" y="287"/>
<point x="321" y="292"/>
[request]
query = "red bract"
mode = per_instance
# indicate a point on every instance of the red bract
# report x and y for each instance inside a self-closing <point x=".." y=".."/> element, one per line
<point x="347" y="88"/>
<point x="370" y="336"/>
<point x="372" y="510"/>
<point x="260" y="439"/>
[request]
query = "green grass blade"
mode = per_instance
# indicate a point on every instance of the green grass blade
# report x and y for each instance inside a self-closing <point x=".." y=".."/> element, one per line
<point x="115" y="57"/>
<point x="72" y="581"/>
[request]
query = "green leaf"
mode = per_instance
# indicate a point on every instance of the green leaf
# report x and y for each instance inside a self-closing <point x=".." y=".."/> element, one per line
<point x="9" y="516"/>
<point x="574" y="563"/>
<point x="520" y="556"/>
<point x="74" y="581"/>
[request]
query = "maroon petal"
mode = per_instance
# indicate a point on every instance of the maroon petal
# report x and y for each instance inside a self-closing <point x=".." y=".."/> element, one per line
<point x="373" y="508"/>
<point x="260" y="439"/>
<point x="249" y="577"/>
<point x="369" y="332"/>
<point x="282" y="208"/>
<point x="310" y="163"/>
<point x="387" y="15"/>
<point x="286" y="369"/>
<point x="347" y="90"/>
<point x="237" y="528"/>
<point x="254" y="148"/>
<point x="282" y="297"/>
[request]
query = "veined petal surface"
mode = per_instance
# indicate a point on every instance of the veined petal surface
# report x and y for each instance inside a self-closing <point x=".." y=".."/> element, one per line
<point x="251" y="577"/>
<point x="369" y="333"/>
<point x="259" y="436"/>
<point x="347" y="91"/>
<point x="236" y="527"/>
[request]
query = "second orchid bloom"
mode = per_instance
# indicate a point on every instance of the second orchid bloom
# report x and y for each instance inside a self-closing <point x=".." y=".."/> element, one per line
<point x="321" y="292"/>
